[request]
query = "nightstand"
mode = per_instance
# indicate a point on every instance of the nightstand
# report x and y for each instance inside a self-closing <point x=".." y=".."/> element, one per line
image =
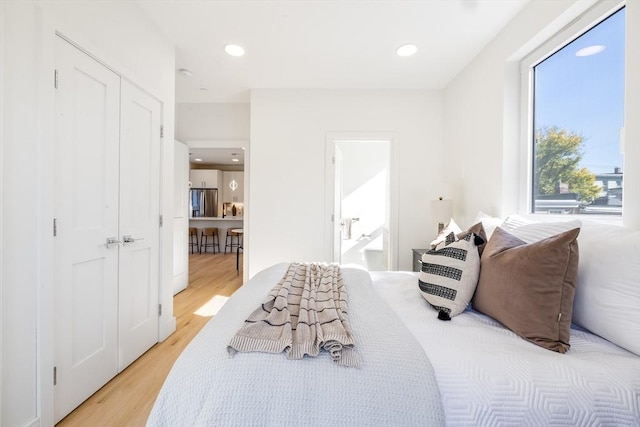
<point x="417" y="258"/>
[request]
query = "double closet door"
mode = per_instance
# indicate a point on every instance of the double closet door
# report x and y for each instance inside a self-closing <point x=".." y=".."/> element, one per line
<point x="106" y="226"/>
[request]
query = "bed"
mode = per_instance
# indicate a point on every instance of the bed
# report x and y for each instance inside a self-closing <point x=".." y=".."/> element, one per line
<point x="416" y="370"/>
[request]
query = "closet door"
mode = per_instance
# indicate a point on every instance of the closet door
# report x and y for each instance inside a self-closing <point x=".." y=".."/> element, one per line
<point x="139" y="222"/>
<point x="86" y="217"/>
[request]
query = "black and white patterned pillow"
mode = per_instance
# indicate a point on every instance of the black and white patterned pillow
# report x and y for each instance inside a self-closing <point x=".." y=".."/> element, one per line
<point x="449" y="274"/>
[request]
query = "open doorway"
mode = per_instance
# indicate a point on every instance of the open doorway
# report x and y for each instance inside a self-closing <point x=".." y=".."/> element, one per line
<point x="362" y="231"/>
<point x="210" y="193"/>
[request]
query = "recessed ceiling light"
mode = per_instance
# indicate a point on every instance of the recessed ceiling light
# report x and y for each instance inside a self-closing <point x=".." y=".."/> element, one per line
<point x="197" y="160"/>
<point x="407" y="50"/>
<point x="203" y="89"/>
<point x="235" y="160"/>
<point x="590" y="50"/>
<point x="234" y="50"/>
<point x="185" y="73"/>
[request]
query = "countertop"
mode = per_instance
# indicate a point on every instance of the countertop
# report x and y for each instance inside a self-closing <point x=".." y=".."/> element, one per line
<point x="217" y="218"/>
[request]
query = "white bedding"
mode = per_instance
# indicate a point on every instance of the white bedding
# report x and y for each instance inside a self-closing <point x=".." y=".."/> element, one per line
<point x="488" y="376"/>
<point x="394" y="386"/>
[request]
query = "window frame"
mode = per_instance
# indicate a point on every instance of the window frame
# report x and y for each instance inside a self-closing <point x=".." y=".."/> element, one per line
<point x="576" y="28"/>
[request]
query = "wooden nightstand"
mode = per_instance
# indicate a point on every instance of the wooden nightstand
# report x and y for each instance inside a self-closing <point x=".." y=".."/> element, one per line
<point x="417" y="258"/>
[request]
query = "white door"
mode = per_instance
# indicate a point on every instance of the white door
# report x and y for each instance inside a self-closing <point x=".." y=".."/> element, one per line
<point x="107" y="201"/>
<point x="362" y="203"/>
<point x="139" y="222"/>
<point x="86" y="212"/>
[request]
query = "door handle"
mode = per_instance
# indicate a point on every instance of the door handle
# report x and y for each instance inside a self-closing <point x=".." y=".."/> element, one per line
<point x="112" y="241"/>
<point x="131" y="239"/>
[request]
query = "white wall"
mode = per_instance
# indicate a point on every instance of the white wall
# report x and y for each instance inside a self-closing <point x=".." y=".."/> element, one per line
<point x="481" y="110"/>
<point x="212" y="121"/>
<point x="287" y="219"/>
<point x="180" y="217"/>
<point x="106" y="30"/>
<point x="20" y="225"/>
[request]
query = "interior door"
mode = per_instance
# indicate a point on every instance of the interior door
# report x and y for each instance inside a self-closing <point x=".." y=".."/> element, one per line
<point x="139" y="222"/>
<point x="362" y="202"/>
<point x="87" y="105"/>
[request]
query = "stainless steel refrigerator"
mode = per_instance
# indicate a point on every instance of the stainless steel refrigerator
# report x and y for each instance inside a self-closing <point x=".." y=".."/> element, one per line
<point x="204" y="202"/>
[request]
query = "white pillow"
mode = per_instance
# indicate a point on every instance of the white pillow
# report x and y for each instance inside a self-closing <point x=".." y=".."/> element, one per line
<point x="489" y="223"/>
<point x="536" y="231"/>
<point x="451" y="227"/>
<point x="607" y="300"/>
<point x="449" y="275"/>
<point x="514" y="221"/>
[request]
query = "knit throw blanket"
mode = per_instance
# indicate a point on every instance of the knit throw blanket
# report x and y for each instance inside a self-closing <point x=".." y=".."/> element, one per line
<point x="305" y="313"/>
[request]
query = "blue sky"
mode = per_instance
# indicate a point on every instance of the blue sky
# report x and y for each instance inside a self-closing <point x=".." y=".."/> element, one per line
<point x="586" y="94"/>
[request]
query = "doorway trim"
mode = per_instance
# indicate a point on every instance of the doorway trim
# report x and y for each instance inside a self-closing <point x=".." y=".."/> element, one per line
<point x="330" y="139"/>
<point x="244" y="144"/>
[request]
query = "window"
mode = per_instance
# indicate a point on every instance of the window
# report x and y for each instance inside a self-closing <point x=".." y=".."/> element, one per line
<point x="575" y="114"/>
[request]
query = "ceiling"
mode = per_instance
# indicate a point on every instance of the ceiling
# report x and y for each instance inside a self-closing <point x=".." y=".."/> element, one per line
<point x="216" y="156"/>
<point x="320" y="44"/>
<point x="323" y="43"/>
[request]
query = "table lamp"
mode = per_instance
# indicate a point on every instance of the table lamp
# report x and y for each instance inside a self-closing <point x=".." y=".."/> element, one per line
<point x="441" y="212"/>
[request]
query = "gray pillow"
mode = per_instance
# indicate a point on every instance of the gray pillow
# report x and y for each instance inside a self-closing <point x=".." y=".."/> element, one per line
<point x="529" y="287"/>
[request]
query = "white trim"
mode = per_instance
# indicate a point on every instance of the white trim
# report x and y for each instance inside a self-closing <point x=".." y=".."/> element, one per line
<point x="45" y="172"/>
<point x="631" y="189"/>
<point x="217" y="143"/>
<point x="578" y="26"/>
<point x="329" y="184"/>
<point x="244" y="144"/>
<point x="2" y="48"/>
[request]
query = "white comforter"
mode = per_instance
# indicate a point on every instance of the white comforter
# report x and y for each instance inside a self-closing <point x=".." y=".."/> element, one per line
<point x="488" y="376"/>
<point x="395" y="385"/>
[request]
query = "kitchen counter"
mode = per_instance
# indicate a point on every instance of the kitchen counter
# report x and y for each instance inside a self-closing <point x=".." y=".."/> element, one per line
<point x="222" y="224"/>
<point x="217" y="218"/>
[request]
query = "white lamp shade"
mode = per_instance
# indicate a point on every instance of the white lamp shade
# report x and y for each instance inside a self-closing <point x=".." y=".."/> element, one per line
<point x="441" y="210"/>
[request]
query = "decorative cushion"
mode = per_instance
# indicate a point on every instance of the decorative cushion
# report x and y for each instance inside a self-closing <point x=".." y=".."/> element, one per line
<point x="607" y="300"/>
<point x="529" y="288"/>
<point x="449" y="275"/>
<point x="489" y="223"/>
<point x="478" y="230"/>
<point x="451" y="227"/>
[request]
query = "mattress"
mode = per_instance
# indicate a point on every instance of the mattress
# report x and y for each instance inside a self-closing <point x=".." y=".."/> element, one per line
<point x="488" y="376"/>
<point x="395" y="384"/>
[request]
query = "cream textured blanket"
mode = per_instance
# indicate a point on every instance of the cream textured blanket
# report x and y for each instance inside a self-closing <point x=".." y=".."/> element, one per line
<point x="306" y="312"/>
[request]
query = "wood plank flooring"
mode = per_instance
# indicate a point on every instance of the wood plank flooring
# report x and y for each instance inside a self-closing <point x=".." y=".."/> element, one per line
<point x="127" y="399"/>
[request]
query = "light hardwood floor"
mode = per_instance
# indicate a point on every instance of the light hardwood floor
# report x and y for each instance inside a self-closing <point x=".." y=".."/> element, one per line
<point x="127" y="399"/>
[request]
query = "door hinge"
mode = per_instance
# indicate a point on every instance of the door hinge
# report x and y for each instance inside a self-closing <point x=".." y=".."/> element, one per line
<point x="161" y="220"/>
<point x="55" y="79"/>
<point x="55" y="375"/>
<point x="161" y="131"/>
<point x="332" y="217"/>
<point x="333" y="160"/>
<point x="55" y="227"/>
<point x="159" y="309"/>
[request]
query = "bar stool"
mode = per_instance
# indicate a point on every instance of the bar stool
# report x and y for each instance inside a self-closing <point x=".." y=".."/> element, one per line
<point x="228" y="241"/>
<point x="204" y="239"/>
<point x="193" y="239"/>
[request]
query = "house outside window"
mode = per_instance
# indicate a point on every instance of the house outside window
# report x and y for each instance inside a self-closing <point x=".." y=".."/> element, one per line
<point x="574" y="93"/>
